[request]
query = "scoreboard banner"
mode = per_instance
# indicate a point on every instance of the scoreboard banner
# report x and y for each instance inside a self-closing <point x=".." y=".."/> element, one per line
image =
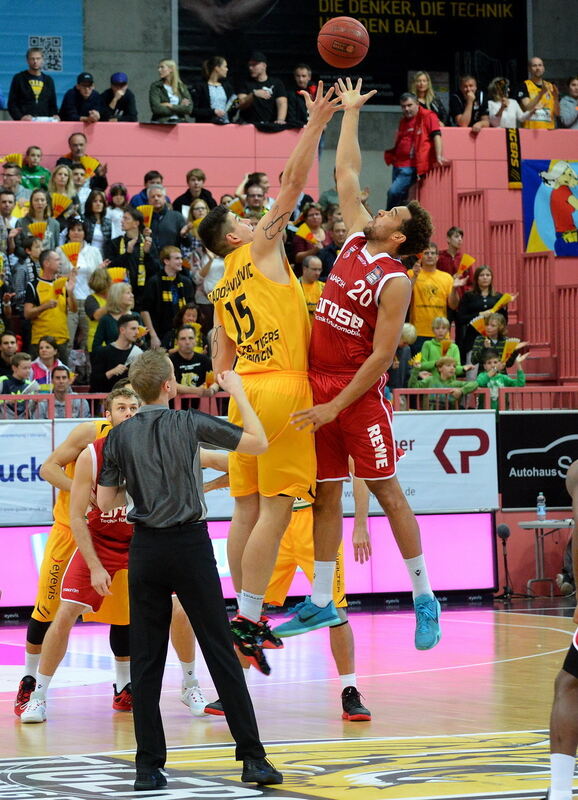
<point x="451" y="38"/>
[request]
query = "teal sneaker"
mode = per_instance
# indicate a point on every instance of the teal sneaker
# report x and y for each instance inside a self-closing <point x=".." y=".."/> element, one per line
<point x="427" y="626"/>
<point x="308" y="617"/>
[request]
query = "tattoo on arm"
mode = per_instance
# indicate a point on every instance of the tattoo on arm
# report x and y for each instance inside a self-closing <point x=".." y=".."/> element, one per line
<point x="277" y="225"/>
<point x="215" y="341"/>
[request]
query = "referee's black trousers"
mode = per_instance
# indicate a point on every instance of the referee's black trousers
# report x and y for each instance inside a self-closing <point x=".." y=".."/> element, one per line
<point x="181" y="560"/>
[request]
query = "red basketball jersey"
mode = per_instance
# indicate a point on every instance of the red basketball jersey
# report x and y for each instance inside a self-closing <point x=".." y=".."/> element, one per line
<point x="108" y="527"/>
<point x="346" y="314"/>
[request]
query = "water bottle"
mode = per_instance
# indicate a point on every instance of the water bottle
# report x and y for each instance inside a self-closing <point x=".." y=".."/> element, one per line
<point x="541" y="507"/>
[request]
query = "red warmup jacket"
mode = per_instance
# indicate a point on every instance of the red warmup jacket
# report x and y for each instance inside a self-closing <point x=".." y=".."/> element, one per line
<point x="426" y="122"/>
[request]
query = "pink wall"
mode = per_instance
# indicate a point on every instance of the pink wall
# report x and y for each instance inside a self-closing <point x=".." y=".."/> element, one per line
<point x="225" y="153"/>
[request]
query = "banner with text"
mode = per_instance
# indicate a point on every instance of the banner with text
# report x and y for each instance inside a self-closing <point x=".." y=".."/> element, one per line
<point x="446" y="37"/>
<point x="25" y="499"/>
<point x="536" y="449"/>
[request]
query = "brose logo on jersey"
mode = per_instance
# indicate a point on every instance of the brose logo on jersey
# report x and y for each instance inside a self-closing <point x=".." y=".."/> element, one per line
<point x="340" y="315"/>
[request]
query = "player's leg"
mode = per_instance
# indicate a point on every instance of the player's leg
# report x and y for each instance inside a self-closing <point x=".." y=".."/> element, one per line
<point x="53" y="651"/>
<point x="257" y="567"/>
<point x="564" y="716"/>
<point x="406" y="532"/>
<point x="119" y="640"/>
<point x="57" y="553"/>
<point x="183" y="640"/>
<point x="245" y="516"/>
<point x="318" y="611"/>
<point x="343" y="651"/>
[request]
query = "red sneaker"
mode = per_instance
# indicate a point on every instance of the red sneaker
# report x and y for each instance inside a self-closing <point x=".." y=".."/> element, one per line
<point x="122" y="701"/>
<point x="26" y="687"/>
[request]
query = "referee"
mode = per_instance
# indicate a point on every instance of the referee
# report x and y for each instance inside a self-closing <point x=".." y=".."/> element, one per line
<point x="155" y="457"/>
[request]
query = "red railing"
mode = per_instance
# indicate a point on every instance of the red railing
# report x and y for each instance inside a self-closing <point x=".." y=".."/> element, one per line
<point x="26" y="406"/>
<point x="437" y="194"/>
<point x="567" y="325"/>
<point x="506" y="245"/>
<point x="438" y="400"/>
<point x="473" y="218"/>
<point x="536" y="293"/>
<point x="538" y="398"/>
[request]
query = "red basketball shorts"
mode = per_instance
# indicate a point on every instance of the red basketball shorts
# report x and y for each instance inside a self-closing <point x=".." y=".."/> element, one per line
<point x="363" y="431"/>
<point x="76" y="587"/>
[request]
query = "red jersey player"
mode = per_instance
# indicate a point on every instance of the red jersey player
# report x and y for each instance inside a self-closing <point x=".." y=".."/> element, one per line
<point x="102" y="551"/>
<point x="356" y="330"/>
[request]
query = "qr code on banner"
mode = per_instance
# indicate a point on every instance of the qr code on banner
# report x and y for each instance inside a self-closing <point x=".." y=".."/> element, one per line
<point x="51" y="47"/>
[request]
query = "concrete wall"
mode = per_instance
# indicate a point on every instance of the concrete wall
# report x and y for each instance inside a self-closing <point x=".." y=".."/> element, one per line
<point x="132" y="37"/>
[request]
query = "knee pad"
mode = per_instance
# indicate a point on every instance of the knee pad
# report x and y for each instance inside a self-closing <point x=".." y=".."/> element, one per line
<point x="36" y="631"/>
<point x="119" y="640"/>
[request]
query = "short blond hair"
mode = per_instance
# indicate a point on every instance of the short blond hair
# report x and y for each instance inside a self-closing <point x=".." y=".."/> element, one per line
<point x="445" y="361"/>
<point x="408" y="333"/>
<point x="148" y="372"/>
<point x="120" y="391"/>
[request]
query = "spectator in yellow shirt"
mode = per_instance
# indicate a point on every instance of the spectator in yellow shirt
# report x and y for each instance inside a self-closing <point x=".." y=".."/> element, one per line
<point x="310" y="283"/>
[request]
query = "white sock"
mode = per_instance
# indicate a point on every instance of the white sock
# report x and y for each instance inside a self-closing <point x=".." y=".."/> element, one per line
<point x="348" y="680"/>
<point x="189" y="678"/>
<point x="122" y="672"/>
<point x="31" y="662"/>
<point x="562" y="768"/>
<point x="418" y="574"/>
<point x="322" y="590"/>
<point x="251" y="605"/>
<point x="42" y="684"/>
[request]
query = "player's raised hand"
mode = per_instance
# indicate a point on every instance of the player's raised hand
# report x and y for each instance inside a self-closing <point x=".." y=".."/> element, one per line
<point x="316" y="417"/>
<point x="351" y="96"/>
<point x="323" y="107"/>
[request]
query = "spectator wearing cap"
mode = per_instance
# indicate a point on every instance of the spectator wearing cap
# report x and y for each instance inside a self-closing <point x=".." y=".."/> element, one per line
<point x="82" y="102"/>
<point x="262" y="99"/>
<point x="32" y="93"/>
<point x="118" y="103"/>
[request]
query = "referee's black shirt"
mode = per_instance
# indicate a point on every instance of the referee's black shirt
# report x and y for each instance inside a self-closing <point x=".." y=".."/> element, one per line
<point x="156" y="453"/>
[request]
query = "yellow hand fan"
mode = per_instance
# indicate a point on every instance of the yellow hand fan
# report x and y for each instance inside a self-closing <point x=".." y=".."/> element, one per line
<point x="60" y="202"/>
<point x="14" y="158"/>
<point x="72" y="250"/>
<point x="509" y="347"/>
<point x="236" y="207"/>
<point x="445" y="346"/>
<point x="37" y="229"/>
<point x="415" y="360"/>
<point x="147" y="212"/>
<point x="304" y="231"/>
<point x="503" y="301"/>
<point x="142" y="331"/>
<point x="479" y="323"/>
<point x="209" y="379"/>
<point x="59" y="284"/>
<point x="117" y="274"/>
<point x="465" y="263"/>
<point x="90" y="164"/>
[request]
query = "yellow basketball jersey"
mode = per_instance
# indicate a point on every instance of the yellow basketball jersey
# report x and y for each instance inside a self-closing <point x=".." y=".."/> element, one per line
<point x="267" y="320"/>
<point x="544" y="115"/>
<point x="312" y="292"/>
<point x="61" y="510"/>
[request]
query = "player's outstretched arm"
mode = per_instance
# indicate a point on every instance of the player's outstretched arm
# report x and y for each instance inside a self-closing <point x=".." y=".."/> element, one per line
<point x="80" y="496"/>
<point x="393" y="304"/>
<point x="348" y="158"/>
<point x="269" y="232"/>
<point x="52" y="470"/>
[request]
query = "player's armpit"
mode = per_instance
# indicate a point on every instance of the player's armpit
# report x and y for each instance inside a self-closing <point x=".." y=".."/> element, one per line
<point x="52" y="468"/>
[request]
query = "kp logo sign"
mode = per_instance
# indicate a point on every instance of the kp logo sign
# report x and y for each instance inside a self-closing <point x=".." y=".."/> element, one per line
<point x="471" y="449"/>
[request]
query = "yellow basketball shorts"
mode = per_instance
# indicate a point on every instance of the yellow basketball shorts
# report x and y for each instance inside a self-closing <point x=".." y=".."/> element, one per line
<point x="296" y="550"/>
<point x="289" y="466"/>
<point x="59" y="549"/>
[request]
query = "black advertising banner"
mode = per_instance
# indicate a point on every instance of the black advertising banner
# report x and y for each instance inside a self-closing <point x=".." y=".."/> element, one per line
<point x="535" y="451"/>
<point x="444" y="37"/>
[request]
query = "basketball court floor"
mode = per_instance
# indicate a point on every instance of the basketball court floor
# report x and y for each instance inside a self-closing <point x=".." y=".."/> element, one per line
<point x="468" y="719"/>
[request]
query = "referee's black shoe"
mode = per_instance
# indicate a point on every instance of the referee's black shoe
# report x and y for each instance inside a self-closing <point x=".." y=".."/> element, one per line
<point x="260" y="770"/>
<point x="247" y="640"/>
<point x="146" y="781"/>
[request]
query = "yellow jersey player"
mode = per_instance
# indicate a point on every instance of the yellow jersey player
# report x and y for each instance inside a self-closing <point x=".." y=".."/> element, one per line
<point x="261" y="320"/>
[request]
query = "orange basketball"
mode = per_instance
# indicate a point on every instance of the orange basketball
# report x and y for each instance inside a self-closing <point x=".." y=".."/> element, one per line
<point x="343" y="42"/>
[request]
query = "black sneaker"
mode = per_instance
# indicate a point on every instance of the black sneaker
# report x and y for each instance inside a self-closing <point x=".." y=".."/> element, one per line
<point x="260" y="770"/>
<point x="147" y="781"/>
<point x="26" y="687"/>
<point x="216" y="708"/>
<point x="246" y="638"/>
<point x="267" y="638"/>
<point x="353" y="708"/>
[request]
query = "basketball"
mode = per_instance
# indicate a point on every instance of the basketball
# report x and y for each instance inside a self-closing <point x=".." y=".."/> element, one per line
<point x="343" y="42"/>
